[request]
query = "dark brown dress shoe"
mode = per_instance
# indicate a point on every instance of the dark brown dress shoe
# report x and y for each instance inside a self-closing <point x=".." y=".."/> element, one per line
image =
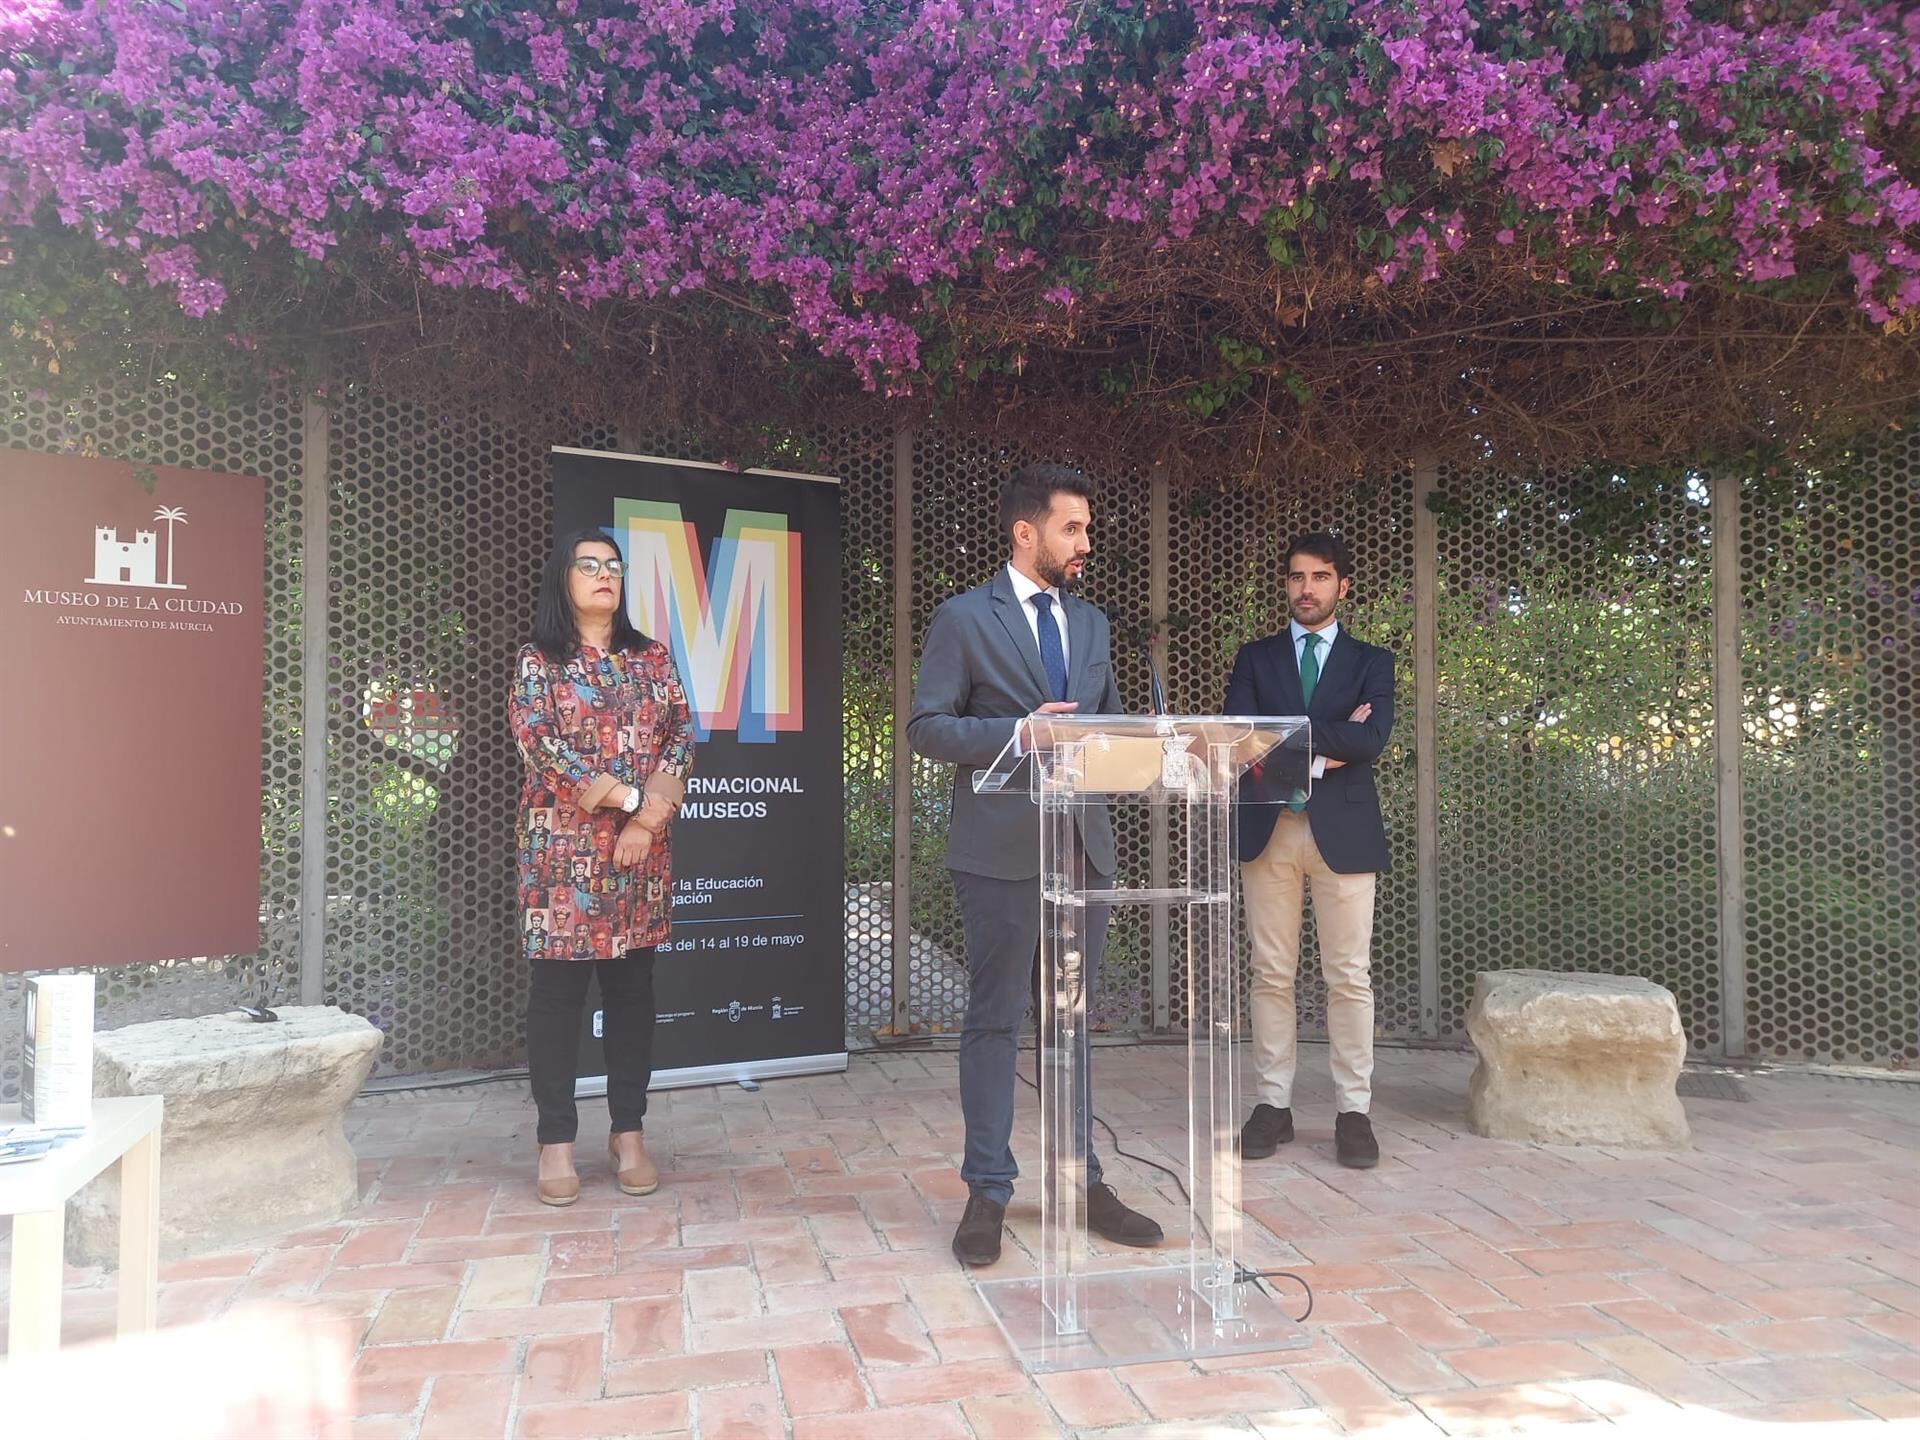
<point x="1266" y="1130"/>
<point x="1353" y="1142"/>
<point x="977" y="1241"/>
<point x="1111" y="1220"/>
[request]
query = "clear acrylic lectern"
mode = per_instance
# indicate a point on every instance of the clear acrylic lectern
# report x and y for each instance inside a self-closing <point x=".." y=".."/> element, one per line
<point x="1066" y="1317"/>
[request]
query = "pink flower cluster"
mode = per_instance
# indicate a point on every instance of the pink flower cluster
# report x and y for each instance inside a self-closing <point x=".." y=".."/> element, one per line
<point x="846" y="164"/>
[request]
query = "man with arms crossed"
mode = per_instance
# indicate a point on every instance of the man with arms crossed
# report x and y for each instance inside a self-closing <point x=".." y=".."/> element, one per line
<point x="1332" y="843"/>
<point x="1017" y="646"/>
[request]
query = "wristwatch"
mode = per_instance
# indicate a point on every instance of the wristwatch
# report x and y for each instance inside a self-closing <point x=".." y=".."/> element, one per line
<point x="632" y="802"/>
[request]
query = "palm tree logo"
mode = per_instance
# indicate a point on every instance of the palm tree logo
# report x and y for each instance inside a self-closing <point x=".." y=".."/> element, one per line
<point x="172" y="515"/>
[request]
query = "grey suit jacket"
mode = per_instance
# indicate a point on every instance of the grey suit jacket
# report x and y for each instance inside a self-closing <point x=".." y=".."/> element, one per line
<point x="980" y="674"/>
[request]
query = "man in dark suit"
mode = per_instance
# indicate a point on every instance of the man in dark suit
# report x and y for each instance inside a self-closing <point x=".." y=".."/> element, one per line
<point x="1018" y="646"/>
<point x="1332" y="842"/>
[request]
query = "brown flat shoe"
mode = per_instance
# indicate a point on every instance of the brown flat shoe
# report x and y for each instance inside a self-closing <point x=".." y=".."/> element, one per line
<point x="560" y="1190"/>
<point x="639" y="1179"/>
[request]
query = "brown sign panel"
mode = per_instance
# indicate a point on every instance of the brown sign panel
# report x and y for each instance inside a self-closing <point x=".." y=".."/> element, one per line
<point x="130" y="644"/>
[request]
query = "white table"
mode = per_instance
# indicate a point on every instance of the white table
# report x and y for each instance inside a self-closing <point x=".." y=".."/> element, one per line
<point x="35" y="1193"/>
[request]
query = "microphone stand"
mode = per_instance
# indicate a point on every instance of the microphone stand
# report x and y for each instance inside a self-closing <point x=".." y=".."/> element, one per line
<point x="1156" y="692"/>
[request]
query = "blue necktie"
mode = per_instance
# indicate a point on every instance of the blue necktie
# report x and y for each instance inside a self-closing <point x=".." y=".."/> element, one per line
<point x="1053" y="656"/>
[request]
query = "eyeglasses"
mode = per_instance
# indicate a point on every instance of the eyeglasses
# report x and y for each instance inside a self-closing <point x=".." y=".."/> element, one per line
<point x="591" y="565"/>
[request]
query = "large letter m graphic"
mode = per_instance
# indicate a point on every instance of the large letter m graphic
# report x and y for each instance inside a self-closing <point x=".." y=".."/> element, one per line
<point x="733" y="624"/>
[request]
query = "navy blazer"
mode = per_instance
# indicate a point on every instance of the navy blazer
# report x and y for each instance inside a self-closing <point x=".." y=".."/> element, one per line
<point x="1344" y="808"/>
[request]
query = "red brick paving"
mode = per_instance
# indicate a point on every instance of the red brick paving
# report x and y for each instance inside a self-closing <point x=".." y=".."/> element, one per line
<point x="791" y="1277"/>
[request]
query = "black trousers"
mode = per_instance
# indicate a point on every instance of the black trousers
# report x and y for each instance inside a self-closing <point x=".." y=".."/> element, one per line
<point x="555" y="1004"/>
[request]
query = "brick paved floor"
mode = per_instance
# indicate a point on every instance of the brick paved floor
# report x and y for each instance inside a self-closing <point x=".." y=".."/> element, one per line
<point x="792" y="1277"/>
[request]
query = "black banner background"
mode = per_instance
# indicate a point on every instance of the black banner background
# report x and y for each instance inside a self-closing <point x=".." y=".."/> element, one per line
<point x="754" y="968"/>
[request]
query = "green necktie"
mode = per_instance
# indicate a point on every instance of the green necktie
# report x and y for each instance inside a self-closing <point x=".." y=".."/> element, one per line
<point x="1309" y="677"/>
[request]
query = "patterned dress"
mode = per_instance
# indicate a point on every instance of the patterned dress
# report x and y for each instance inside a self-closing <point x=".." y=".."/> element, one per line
<point x="621" y="713"/>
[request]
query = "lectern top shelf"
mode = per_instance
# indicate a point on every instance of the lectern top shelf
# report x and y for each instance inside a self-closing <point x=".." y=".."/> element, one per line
<point x="1156" y="759"/>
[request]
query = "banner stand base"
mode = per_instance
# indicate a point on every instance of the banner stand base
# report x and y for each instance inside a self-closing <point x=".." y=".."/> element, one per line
<point x="691" y="1075"/>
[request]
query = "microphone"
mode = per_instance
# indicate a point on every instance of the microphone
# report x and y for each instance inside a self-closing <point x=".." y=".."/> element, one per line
<point x="1156" y="692"/>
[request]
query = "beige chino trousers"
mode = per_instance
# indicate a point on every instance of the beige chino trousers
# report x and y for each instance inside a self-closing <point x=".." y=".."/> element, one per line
<point x="1276" y="886"/>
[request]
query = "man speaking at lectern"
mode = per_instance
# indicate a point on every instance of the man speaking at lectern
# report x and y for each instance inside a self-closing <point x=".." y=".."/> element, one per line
<point x="1019" y="645"/>
<point x="1331" y="842"/>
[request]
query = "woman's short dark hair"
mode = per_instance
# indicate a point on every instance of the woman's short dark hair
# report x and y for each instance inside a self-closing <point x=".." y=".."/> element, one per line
<point x="1029" y="491"/>
<point x="556" y="629"/>
<point x="1322" y="546"/>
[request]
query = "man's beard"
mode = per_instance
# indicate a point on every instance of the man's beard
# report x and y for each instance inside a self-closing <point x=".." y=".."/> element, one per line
<point x="1054" y="572"/>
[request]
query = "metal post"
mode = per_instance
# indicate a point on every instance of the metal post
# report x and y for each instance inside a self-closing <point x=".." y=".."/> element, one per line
<point x="314" y="565"/>
<point x="1426" y="739"/>
<point x="1159" y="553"/>
<point x="1728" y="714"/>
<point x="902" y="956"/>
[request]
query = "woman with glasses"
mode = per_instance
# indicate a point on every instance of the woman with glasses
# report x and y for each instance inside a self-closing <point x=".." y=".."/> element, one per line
<point x="606" y="738"/>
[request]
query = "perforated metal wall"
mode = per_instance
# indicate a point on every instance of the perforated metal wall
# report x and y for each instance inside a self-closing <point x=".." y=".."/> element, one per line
<point x="863" y="460"/>
<point x="263" y="438"/>
<point x="441" y="518"/>
<point x="438" y="522"/>
<point x="956" y="546"/>
<point x="1572" y="699"/>
<point x="1830" y="569"/>
<point x="1227" y="587"/>
<point x="1575" y="710"/>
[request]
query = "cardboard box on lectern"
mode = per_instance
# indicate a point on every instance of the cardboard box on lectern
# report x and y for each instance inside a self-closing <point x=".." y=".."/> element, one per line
<point x="56" y="1086"/>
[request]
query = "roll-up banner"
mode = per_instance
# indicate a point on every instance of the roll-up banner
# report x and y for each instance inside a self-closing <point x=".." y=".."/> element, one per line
<point x="738" y="572"/>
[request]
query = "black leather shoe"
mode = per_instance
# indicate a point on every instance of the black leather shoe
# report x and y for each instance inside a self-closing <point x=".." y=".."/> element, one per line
<point x="977" y="1241"/>
<point x="1111" y="1220"/>
<point x="1266" y="1130"/>
<point x="1353" y="1142"/>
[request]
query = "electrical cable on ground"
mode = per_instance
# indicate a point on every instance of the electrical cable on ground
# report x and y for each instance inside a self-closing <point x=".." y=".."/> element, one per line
<point x="899" y="1043"/>
<point x="1242" y="1273"/>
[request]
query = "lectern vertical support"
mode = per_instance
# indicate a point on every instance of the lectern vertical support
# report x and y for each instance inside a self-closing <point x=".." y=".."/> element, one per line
<point x="1213" y="1105"/>
<point x="1065" y="1055"/>
<point x="1073" y="768"/>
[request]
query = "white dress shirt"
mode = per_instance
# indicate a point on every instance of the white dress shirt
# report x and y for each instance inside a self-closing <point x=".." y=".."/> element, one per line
<point x="1327" y="636"/>
<point x="1024" y="590"/>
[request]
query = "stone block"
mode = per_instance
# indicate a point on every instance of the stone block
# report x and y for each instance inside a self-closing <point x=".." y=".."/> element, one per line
<point x="1576" y="1059"/>
<point x="254" y="1140"/>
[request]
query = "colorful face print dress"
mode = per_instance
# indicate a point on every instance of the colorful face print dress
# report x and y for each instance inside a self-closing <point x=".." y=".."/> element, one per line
<point x="619" y="713"/>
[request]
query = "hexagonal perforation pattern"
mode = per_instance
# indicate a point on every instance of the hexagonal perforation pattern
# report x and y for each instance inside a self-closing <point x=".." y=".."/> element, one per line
<point x="1830" y="767"/>
<point x="956" y="545"/>
<point x="1575" y="720"/>
<point x="1227" y="587"/>
<point x="438" y="523"/>
<point x="1574" y="712"/>
<point x="863" y="460"/>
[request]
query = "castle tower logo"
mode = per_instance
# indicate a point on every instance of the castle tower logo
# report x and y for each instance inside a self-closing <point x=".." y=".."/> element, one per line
<point x="135" y="562"/>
